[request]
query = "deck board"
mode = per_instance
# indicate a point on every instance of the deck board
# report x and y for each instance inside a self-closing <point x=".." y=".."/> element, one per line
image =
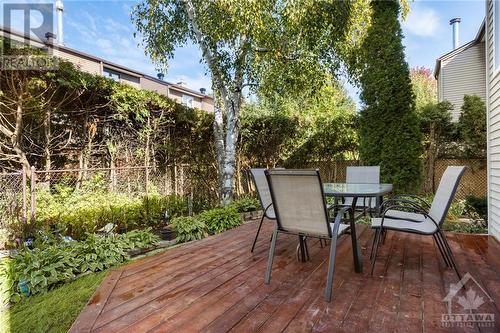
<point x="217" y="285"/>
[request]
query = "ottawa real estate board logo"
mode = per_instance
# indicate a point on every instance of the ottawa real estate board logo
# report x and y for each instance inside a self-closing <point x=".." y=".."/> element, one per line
<point x="467" y="305"/>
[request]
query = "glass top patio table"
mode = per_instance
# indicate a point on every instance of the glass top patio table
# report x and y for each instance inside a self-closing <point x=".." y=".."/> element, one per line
<point x="356" y="190"/>
<point x="338" y="190"/>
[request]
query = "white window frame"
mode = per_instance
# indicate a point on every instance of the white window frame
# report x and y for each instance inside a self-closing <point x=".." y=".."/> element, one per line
<point x="496" y="37"/>
<point x="187" y="100"/>
<point x="112" y="75"/>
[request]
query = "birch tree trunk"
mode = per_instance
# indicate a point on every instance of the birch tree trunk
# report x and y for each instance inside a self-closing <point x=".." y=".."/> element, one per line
<point x="229" y="165"/>
<point x="231" y="100"/>
<point x="219" y="144"/>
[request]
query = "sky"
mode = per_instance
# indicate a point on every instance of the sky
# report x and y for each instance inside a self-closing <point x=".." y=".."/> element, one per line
<point x="103" y="28"/>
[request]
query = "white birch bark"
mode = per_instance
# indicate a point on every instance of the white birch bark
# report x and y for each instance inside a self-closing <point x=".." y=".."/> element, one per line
<point x="231" y="100"/>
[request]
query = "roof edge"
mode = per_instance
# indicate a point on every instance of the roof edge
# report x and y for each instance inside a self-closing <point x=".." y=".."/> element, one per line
<point x="105" y="62"/>
<point x="476" y="40"/>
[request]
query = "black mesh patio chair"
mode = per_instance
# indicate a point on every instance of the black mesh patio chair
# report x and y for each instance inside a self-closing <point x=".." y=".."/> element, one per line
<point x="300" y="208"/>
<point x="411" y="214"/>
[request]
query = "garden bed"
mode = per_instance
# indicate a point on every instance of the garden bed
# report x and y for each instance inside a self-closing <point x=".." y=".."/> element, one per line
<point x="249" y="216"/>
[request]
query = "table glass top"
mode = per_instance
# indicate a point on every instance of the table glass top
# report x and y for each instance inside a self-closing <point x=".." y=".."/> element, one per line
<point x="351" y="189"/>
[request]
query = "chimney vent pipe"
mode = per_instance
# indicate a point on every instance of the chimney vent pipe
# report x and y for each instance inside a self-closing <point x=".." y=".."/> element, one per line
<point x="455" y="23"/>
<point x="59" y="16"/>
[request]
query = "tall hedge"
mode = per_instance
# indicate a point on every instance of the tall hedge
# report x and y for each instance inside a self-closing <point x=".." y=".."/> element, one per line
<point x="389" y="128"/>
<point x="472" y="126"/>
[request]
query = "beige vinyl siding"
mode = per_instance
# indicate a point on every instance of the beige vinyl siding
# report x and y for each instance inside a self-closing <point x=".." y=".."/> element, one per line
<point x="152" y="85"/>
<point x="84" y="64"/>
<point x="463" y="74"/>
<point x="493" y="106"/>
<point x="177" y="94"/>
<point x="207" y="105"/>
<point x="134" y="81"/>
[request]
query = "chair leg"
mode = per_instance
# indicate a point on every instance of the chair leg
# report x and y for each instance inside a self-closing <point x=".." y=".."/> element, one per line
<point x="450" y="254"/>
<point x="373" y="243"/>
<point x="306" y="249"/>
<point x="331" y="269"/>
<point x="377" y="242"/>
<point x="441" y="250"/>
<point x="384" y="235"/>
<point x="257" y="235"/>
<point x="302" y="249"/>
<point x="267" y="277"/>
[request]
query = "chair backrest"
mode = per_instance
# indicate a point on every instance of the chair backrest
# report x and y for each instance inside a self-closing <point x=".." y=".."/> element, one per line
<point x="299" y="201"/>
<point x="259" y="178"/>
<point x="363" y="174"/>
<point x="445" y="193"/>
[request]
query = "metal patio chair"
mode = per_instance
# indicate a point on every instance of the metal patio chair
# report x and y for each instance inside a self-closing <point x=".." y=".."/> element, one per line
<point x="362" y="175"/>
<point x="300" y="207"/>
<point x="414" y="215"/>
<point x="266" y="202"/>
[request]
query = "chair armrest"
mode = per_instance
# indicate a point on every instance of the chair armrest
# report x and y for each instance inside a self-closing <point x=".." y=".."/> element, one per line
<point x="338" y="220"/>
<point x="404" y="204"/>
<point x="265" y="209"/>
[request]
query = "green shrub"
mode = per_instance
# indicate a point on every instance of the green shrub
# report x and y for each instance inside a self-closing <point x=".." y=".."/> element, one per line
<point x="77" y="212"/>
<point x="456" y="211"/>
<point x="474" y="226"/>
<point x="245" y="204"/>
<point x="156" y="205"/>
<point x="472" y="126"/>
<point x="478" y="205"/>
<point x="44" y="268"/>
<point x="139" y="239"/>
<point x="220" y="219"/>
<point x="189" y="228"/>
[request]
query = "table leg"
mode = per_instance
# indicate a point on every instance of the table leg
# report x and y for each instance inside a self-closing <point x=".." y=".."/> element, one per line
<point x="356" y="253"/>
<point x="378" y="204"/>
<point x="302" y="249"/>
<point x="380" y="201"/>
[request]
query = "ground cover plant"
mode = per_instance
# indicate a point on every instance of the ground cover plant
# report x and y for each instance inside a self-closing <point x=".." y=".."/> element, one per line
<point x="53" y="311"/>
<point x="220" y="219"/>
<point x="35" y="271"/>
<point x="245" y="204"/>
<point x="79" y="211"/>
<point x="189" y="228"/>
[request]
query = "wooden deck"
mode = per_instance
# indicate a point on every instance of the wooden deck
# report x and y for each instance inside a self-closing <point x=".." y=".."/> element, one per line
<point x="217" y="285"/>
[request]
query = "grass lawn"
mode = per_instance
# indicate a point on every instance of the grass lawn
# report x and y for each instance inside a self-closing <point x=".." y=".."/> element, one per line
<point x="54" y="311"/>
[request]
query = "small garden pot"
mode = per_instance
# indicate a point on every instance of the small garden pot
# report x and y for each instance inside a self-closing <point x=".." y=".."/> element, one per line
<point x="166" y="234"/>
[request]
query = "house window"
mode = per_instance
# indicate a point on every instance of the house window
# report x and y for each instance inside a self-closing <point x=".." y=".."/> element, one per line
<point x="187" y="100"/>
<point x="112" y="75"/>
<point x="496" y="33"/>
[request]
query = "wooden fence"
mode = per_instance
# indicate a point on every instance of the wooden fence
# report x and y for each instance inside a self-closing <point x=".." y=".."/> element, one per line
<point x="474" y="181"/>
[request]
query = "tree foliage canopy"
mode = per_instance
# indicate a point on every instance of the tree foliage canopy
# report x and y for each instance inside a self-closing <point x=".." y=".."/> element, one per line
<point x="294" y="132"/>
<point x="472" y="126"/>
<point x="389" y="128"/>
<point x="424" y="87"/>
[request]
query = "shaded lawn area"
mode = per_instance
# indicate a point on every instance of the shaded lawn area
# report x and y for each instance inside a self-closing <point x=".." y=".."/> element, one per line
<point x="54" y="311"/>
